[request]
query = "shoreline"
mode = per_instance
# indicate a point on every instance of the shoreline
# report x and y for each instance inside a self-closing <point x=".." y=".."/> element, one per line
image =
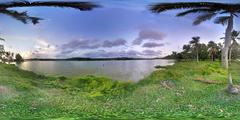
<point x="94" y="59"/>
<point x="113" y="70"/>
<point x="179" y="91"/>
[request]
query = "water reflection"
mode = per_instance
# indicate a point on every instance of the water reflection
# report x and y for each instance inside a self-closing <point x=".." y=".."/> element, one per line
<point x="133" y="70"/>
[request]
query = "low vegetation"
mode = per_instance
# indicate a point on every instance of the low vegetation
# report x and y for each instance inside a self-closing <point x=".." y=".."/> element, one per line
<point x="187" y="90"/>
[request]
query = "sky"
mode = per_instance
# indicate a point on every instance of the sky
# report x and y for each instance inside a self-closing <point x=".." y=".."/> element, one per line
<point x="120" y="28"/>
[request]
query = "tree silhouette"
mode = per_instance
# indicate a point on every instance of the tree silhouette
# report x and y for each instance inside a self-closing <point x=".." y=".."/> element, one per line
<point x="18" y="58"/>
<point x="212" y="49"/>
<point x="195" y="45"/>
<point x="234" y="37"/>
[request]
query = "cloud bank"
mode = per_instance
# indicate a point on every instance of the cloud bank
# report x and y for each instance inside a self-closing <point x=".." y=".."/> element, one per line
<point x="148" y="34"/>
<point x="129" y="53"/>
<point x="115" y="43"/>
<point x="152" y="45"/>
<point x="94" y="48"/>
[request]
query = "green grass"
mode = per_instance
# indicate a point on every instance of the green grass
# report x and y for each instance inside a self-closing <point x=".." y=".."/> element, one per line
<point x="186" y="90"/>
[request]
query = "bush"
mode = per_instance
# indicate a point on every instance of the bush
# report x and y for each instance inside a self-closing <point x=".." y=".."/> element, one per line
<point x="18" y="58"/>
<point x="99" y="86"/>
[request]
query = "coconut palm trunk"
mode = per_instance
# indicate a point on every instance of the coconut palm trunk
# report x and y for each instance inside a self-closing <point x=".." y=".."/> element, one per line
<point x="230" y="53"/>
<point x="227" y="42"/>
<point x="230" y="82"/>
<point x="212" y="58"/>
<point x="197" y="55"/>
<point x="226" y="49"/>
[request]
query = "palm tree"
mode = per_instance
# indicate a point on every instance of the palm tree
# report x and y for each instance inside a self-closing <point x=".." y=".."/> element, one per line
<point x="234" y="37"/>
<point x="212" y="49"/>
<point x="186" y="48"/>
<point x="207" y="11"/>
<point x="25" y="18"/>
<point x="195" y="44"/>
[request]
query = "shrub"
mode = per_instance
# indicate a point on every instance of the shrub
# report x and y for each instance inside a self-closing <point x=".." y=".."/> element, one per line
<point x="99" y="86"/>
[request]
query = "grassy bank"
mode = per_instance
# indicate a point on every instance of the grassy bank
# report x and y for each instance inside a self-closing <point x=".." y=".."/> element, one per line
<point x="186" y="90"/>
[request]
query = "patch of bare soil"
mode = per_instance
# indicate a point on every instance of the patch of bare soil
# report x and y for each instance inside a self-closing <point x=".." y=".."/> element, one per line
<point x="203" y="80"/>
<point x="168" y="84"/>
<point x="7" y="92"/>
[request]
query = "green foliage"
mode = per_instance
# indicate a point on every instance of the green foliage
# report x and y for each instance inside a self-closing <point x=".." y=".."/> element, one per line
<point x="18" y="58"/>
<point x="194" y="48"/>
<point x="98" y="86"/>
<point x="186" y="90"/>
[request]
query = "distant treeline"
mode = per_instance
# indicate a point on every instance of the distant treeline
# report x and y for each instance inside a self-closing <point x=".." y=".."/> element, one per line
<point x="201" y="51"/>
<point x="88" y="59"/>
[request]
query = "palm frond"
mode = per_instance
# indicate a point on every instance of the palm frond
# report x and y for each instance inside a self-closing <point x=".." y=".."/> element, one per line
<point x="21" y="16"/>
<point x="77" y="5"/>
<point x="224" y="12"/>
<point x="222" y="20"/>
<point x="202" y="10"/>
<point x="2" y="39"/>
<point x="161" y="7"/>
<point x="203" y="18"/>
<point x="235" y="33"/>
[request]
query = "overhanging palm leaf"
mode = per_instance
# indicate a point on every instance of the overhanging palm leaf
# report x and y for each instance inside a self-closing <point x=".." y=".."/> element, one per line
<point x="25" y="18"/>
<point x="207" y="8"/>
<point x="21" y="16"/>
<point x="161" y="7"/>
<point x="2" y="39"/>
<point x="77" y="5"/>
<point x="204" y="10"/>
<point x="221" y="20"/>
<point x="204" y="17"/>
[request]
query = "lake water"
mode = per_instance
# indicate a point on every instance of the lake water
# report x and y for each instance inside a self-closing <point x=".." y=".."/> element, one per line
<point x="126" y="70"/>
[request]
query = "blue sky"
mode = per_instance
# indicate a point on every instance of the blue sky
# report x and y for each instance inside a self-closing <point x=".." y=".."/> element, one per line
<point x="120" y="28"/>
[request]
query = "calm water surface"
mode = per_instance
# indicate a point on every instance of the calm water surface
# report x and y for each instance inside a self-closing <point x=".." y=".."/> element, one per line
<point x="126" y="70"/>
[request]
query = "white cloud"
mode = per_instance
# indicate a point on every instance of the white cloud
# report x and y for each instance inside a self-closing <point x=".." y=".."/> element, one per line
<point x="42" y="49"/>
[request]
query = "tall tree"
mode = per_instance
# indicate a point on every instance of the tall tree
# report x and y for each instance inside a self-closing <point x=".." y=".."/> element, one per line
<point x="207" y="11"/>
<point x="234" y="37"/>
<point x="18" y="58"/>
<point x="195" y="45"/>
<point x="186" y="48"/>
<point x="25" y="18"/>
<point x="212" y="49"/>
